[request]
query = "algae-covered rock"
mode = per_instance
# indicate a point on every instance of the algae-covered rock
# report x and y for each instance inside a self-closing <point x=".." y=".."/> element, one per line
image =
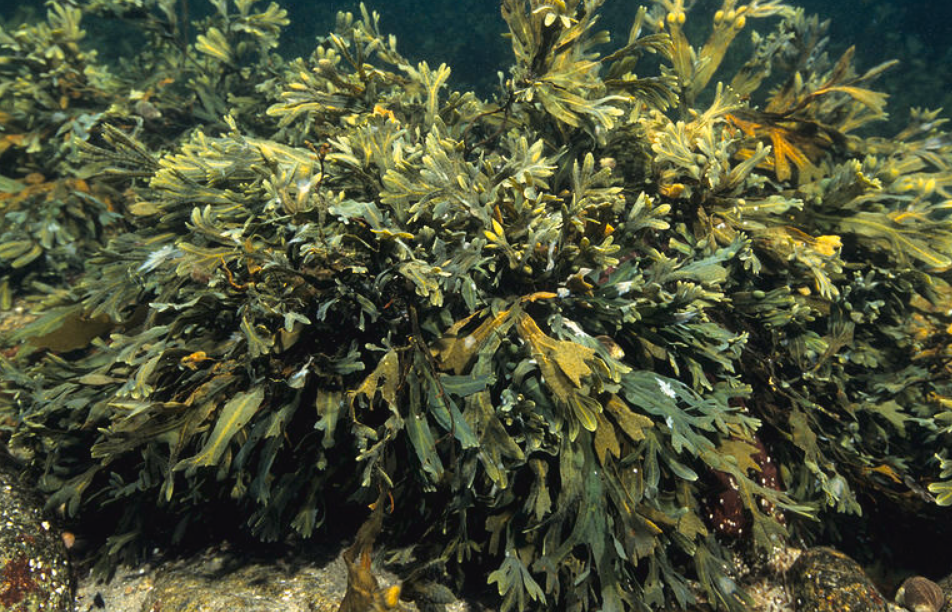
<point x="826" y="580"/>
<point x="34" y="573"/>
<point x="224" y="581"/>
<point x="223" y="578"/>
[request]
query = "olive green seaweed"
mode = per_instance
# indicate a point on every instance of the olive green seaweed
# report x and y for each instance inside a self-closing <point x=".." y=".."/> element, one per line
<point x="57" y="99"/>
<point x="544" y="326"/>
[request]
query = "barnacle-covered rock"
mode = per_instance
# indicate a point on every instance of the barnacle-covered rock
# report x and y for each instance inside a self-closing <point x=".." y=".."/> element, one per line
<point x="220" y="580"/>
<point x="825" y="580"/>
<point x="34" y="572"/>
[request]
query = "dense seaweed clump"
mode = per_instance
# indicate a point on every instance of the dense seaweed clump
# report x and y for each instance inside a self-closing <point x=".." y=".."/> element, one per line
<point x="580" y="336"/>
<point x="56" y="96"/>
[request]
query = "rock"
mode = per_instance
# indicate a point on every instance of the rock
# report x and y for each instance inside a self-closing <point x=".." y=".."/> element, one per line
<point x="125" y="591"/>
<point x="218" y="581"/>
<point x="826" y="580"/>
<point x="223" y="579"/>
<point x="34" y="571"/>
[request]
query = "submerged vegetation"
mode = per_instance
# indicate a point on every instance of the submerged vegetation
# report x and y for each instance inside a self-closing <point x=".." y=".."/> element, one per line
<point x="635" y="307"/>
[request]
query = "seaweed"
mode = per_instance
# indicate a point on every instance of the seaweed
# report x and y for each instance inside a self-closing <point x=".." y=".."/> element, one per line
<point x="550" y="326"/>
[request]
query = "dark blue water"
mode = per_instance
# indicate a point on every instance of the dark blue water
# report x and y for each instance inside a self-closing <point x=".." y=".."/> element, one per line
<point x="466" y="34"/>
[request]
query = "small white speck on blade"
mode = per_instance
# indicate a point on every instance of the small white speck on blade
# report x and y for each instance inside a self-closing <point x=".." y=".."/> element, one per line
<point x="666" y="388"/>
<point x="575" y="327"/>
